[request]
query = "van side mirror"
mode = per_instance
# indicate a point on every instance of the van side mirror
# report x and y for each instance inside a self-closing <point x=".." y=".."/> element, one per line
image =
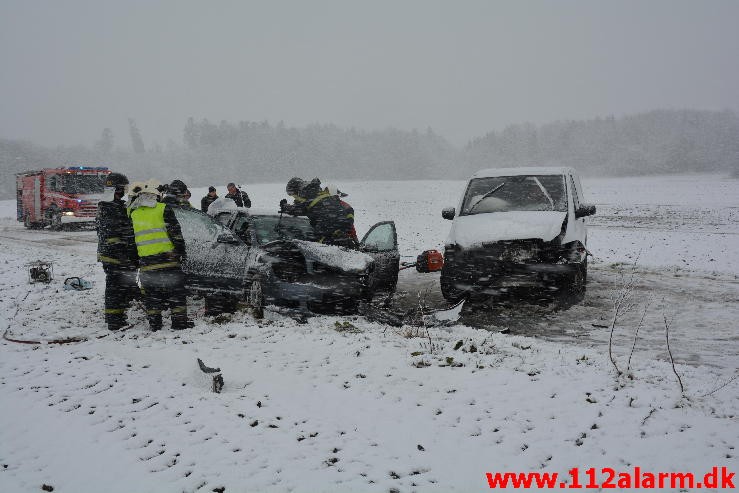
<point x="584" y="210"/>
<point x="448" y="213"/>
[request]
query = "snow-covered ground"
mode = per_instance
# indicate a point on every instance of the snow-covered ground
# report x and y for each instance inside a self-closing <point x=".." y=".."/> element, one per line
<point x="347" y="404"/>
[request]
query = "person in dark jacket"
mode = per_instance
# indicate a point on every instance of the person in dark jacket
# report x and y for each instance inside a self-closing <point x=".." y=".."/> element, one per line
<point x="237" y="195"/>
<point x="117" y="252"/>
<point x="161" y="250"/>
<point x="177" y="193"/>
<point x="208" y="199"/>
<point x="331" y="224"/>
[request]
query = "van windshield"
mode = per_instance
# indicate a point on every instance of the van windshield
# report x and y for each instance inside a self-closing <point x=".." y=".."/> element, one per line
<point x="515" y="193"/>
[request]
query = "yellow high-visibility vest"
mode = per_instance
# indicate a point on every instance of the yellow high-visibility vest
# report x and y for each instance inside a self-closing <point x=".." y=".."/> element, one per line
<point x="150" y="231"/>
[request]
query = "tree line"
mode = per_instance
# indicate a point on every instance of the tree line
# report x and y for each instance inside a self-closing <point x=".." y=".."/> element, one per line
<point x="660" y="141"/>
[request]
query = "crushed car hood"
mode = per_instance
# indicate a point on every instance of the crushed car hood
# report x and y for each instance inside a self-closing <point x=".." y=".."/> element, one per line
<point x="472" y="230"/>
<point x="341" y="258"/>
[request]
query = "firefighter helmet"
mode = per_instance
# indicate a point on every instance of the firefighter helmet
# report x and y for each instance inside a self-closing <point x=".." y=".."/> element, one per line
<point x="116" y="180"/>
<point x="138" y="187"/>
<point x="177" y="187"/>
<point x="294" y="186"/>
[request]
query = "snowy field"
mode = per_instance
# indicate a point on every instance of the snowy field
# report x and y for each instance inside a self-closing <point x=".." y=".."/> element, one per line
<point x="347" y="404"/>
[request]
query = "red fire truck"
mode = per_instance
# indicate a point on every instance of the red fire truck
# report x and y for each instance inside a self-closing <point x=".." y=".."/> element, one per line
<point x="57" y="196"/>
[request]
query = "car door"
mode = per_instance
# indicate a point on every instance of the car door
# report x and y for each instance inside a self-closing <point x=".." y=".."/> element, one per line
<point x="215" y="256"/>
<point x="576" y="230"/>
<point x="381" y="243"/>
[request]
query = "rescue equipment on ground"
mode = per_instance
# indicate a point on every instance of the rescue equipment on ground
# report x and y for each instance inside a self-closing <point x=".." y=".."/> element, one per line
<point x="428" y="261"/>
<point x="40" y="271"/>
<point x="77" y="284"/>
<point x="217" y="384"/>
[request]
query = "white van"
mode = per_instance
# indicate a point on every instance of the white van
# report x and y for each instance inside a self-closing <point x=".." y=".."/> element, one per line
<point x="517" y="227"/>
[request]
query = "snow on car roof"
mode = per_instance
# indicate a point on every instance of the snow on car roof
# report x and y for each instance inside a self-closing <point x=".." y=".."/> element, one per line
<point x="531" y="170"/>
<point x="263" y="211"/>
<point x="227" y="205"/>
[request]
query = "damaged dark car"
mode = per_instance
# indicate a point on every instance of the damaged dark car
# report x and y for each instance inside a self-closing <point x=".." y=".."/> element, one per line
<point x="264" y="258"/>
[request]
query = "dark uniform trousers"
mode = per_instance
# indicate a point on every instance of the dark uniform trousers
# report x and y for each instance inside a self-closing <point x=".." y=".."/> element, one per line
<point x="163" y="286"/>
<point x="120" y="290"/>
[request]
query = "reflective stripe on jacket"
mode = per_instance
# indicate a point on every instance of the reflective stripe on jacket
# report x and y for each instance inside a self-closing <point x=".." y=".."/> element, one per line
<point x="321" y="196"/>
<point x="150" y="231"/>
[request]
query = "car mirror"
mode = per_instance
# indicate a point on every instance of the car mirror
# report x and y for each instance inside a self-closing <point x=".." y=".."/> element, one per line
<point x="226" y="238"/>
<point x="448" y="213"/>
<point x="584" y="210"/>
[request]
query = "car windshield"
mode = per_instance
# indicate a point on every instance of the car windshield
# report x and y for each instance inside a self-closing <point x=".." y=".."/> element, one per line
<point x="515" y="193"/>
<point x="83" y="183"/>
<point x="272" y="228"/>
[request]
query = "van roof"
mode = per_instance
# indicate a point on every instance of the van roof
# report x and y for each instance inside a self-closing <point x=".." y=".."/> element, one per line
<point x="524" y="170"/>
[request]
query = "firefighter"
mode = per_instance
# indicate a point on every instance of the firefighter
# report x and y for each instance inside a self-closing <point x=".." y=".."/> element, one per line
<point x="299" y="189"/>
<point x="116" y="251"/>
<point x="331" y="224"/>
<point x="177" y="194"/>
<point x="161" y="251"/>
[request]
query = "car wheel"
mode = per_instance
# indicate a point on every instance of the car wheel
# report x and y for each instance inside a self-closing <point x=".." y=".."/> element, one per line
<point x="449" y="290"/>
<point x="27" y="222"/>
<point x="256" y="298"/>
<point x="218" y="304"/>
<point x="349" y="306"/>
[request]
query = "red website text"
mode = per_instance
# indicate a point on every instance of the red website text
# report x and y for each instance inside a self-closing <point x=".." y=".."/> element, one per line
<point x="607" y="477"/>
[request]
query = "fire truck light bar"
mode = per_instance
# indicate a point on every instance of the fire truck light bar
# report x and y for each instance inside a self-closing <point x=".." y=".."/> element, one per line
<point x="98" y="168"/>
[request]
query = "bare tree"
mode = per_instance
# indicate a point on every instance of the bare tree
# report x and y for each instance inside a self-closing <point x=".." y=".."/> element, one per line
<point x="669" y="351"/>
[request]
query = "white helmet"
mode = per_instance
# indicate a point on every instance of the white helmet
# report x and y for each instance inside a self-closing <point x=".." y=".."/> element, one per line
<point x="140" y="187"/>
<point x="334" y="190"/>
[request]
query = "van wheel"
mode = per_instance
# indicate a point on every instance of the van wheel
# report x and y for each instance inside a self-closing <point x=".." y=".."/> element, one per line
<point x="256" y="298"/>
<point x="572" y="287"/>
<point x="449" y="290"/>
<point x="27" y="222"/>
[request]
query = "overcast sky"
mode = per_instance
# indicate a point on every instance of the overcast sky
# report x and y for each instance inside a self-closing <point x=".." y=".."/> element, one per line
<point x="69" y="68"/>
